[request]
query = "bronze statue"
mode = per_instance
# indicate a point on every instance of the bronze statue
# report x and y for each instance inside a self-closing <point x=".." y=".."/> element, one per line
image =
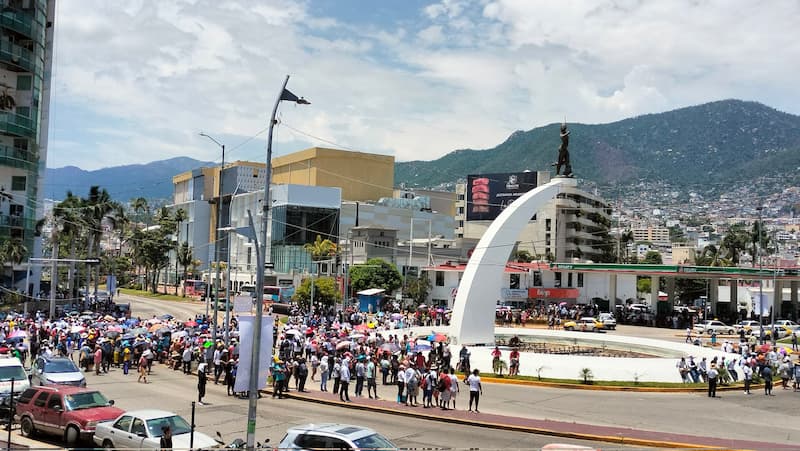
<point x="563" y="153"/>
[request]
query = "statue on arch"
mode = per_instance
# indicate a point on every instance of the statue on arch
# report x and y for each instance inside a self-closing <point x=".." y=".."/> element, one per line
<point x="563" y="153"/>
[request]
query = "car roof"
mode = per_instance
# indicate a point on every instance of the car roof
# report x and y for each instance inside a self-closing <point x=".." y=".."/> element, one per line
<point x="150" y="414"/>
<point x="10" y="361"/>
<point x="65" y="389"/>
<point x="344" y="430"/>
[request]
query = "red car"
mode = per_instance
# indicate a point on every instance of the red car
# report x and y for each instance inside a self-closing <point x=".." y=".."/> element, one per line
<point x="72" y="412"/>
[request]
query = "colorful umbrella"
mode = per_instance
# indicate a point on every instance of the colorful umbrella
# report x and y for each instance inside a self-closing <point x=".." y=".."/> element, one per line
<point x="190" y="323"/>
<point x="437" y="337"/>
<point x="343" y="345"/>
<point x="422" y="345"/>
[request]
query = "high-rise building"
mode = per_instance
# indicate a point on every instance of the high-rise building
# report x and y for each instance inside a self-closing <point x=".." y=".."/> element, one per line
<point x="26" y="45"/>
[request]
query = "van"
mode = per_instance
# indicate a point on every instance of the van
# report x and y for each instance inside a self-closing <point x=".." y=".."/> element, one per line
<point x="11" y="370"/>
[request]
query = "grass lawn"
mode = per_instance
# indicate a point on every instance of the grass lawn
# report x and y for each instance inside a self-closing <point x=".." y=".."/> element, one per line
<point x="603" y="383"/>
<point x="160" y="296"/>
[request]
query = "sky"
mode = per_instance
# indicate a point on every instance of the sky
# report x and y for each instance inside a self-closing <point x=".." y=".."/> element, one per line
<point x="136" y="81"/>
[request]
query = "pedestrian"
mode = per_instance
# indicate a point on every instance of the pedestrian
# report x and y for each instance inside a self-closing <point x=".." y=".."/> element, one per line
<point x="302" y="374"/>
<point x="443" y="387"/>
<point x="371" y="373"/>
<point x="186" y="357"/>
<point x="794" y="341"/>
<point x="454" y="389"/>
<point x="785" y="373"/>
<point x="683" y="370"/>
<point x="766" y="374"/>
<point x="218" y="367"/>
<point x="166" y="438"/>
<point x="98" y="359"/>
<point x="385" y="366"/>
<point x="360" y="376"/>
<point x="201" y="382"/>
<point x="279" y="379"/>
<point x="796" y="370"/>
<point x="475" y="389"/>
<point x="336" y="374"/>
<point x="142" y="366"/>
<point x="428" y="383"/>
<point x="126" y="360"/>
<point x="747" y="373"/>
<point x="401" y="385"/>
<point x="344" y="380"/>
<point x="688" y="335"/>
<point x="712" y="381"/>
<point x="229" y="377"/>
<point x="323" y="373"/>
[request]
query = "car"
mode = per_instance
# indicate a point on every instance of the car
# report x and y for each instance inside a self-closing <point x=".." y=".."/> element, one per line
<point x="587" y="324"/>
<point x="56" y="371"/>
<point x="11" y="369"/>
<point x="142" y="429"/>
<point x="712" y="325"/>
<point x="748" y="326"/>
<point x="780" y="330"/>
<point x="608" y="320"/>
<point x="71" y="412"/>
<point x="333" y="436"/>
<point x="788" y="323"/>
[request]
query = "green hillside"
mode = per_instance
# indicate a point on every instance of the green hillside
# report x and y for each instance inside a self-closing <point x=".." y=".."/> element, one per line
<point x="720" y="142"/>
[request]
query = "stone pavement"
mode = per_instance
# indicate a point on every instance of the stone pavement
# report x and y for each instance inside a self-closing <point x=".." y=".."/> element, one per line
<point x="493" y="415"/>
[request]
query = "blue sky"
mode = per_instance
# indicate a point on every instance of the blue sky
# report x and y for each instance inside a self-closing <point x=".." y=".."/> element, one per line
<point x="136" y="81"/>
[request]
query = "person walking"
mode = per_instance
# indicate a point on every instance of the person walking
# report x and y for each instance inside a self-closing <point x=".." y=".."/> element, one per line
<point x="279" y="377"/>
<point x="766" y="374"/>
<point x="98" y="359"/>
<point x="475" y="389"/>
<point x="454" y="389"/>
<point x="372" y="387"/>
<point x="712" y="381"/>
<point x="142" y="366"/>
<point x="336" y="374"/>
<point x="323" y="373"/>
<point x="166" y="438"/>
<point x="794" y="341"/>
<point x="201" y="382"/>
<point x="186" y="358"/>
<point x="360" y="376"/>
<point x="747" y="373"/>
<point x="401" y="384"/>
<point x="344" y="380"/>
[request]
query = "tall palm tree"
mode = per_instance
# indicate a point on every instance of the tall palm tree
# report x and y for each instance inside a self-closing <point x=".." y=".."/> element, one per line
<point x="179" y="217"/>
<point x="140" y="207"/>
<point x="97" y="209"/>
<point x="321" y="249"/>
<point x="13" y="252"/>
<point x="67" y="231"/>
<point x="185" y="259"/>
<point x="625" y="239"/>
<point x="734" y="243"/>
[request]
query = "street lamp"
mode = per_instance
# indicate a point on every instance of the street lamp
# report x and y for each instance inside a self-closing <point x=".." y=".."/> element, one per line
<point x="263" y="258"/>
<point x="761" y="279"/>
<point x="216" y="237"/>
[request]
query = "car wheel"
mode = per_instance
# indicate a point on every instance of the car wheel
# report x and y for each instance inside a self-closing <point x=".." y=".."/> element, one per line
<point x="731" y="332"/>
<point x="107" y="444"/>
<point x="26" y="427"/>
<point x="570" y="328"/>
<point x="71" y="435"/>
<point x="710" y="332"/>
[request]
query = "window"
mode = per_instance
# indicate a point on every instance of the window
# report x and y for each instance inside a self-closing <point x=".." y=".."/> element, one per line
<point x="461" y="210"/>
<point x="41" y="399"/>
<point x="124" y="423"/>
<point x="138" y="427"/>
<point x="439" y="278"/>
<point x="558" y="280"/>
<point x="537" y="278"/>
<point x="569" y="280"/>
<point x="26" y="396"/>
<point x="580" y="279"/>
<point x="23" y="82"/>
<point x="547" y="225"/>
<point x="55" y="401"/>
<point x="24" y="111"/>
<point x="18" y="183"/>
<point x="338" y="444"/>
<point x="309" y="441"/>
<point x="15" y="210"/>
<point x="514" y="281"/>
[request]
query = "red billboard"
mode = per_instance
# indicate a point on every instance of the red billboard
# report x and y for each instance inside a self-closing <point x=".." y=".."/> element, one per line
<point x="490" y="194"/>
<point x="553" y="293"/>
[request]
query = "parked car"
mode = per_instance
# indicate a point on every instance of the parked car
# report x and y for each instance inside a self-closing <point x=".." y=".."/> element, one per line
<point x="11" y="368"/>
<point x="748" y="326"/>
<point x="709" y="326"/>
<point x="779" y="329"/>
<point x="587" y="324"/>
<point x="608" y="320"/>
<point x="142" y="429"/>
<point x="72" y="412"/>
<point x="333" y="436"/>
<point x="56" y="371"/>
<point x="788" y="323"/>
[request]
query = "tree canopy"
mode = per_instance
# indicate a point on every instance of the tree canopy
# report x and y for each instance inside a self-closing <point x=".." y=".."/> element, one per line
<point x="375" y="273"/>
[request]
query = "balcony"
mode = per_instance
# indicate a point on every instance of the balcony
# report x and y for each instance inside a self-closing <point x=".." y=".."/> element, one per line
<point x="19" y="158"/>
<point x="21" y="23"/>
<point x="14" y="124"/>
<point x="20" y="57"/>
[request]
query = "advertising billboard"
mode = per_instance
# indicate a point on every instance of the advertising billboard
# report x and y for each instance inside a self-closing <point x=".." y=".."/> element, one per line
<point x="489" y="194"/>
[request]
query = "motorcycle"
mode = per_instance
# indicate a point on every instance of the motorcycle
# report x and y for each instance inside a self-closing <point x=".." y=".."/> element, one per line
<point x="238" y="443"/>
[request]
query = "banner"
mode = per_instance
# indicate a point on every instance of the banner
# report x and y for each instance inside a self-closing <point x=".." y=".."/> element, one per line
<point x="761" y="303"/>
<point x="489" y="194"/>
<point x="246" y="332"/>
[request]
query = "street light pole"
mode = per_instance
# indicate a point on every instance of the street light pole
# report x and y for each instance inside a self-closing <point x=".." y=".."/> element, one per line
<point x="760" y="281"/>
<point x="263" y="258"/>
<point x="216" y="237"/>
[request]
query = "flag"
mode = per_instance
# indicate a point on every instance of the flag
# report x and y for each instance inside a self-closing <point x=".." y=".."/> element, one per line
<point x="289" y="96"/>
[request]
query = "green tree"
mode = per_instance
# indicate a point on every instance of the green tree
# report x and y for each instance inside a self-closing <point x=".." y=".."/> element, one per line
<point x="185" y="258"/>
<point x="734" y="243"/>
<point x="326" y="292"/>
<point x="376" y="273"/>
<point x="643" y="284"/>
<point x="97" y="208"/>
<point x="141" y="209"/>
<point x="321" y="249"/>
<point x="520" y="256"/>
<point x="13" y="252"/>
<point x="625" y="239"/>
<point x="67" y="232"/>
<point x="759" y="238"/>
<point x="417" y="288"/>
<point x="652" y="258"/>
<point x="179" y="217"/>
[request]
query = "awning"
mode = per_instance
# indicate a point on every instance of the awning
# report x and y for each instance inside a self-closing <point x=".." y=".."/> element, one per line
<point x="553" y="293"/>
<point x="371" y="291"/>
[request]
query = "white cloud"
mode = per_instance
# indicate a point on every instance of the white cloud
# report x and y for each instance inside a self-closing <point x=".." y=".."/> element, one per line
<point x="463" y="74"/>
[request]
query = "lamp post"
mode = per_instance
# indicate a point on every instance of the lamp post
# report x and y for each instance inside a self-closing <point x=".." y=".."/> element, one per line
<point x="216" y="236"/>
<point x="761" y="280"/>
<point x="263" y="260"/>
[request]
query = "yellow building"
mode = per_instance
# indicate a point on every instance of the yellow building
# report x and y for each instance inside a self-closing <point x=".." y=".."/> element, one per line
<point x="361" y="176"/>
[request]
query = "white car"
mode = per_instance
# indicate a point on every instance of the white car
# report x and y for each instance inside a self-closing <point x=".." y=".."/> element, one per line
<point x="142" y="429"/>
<point x="709" y="326"/>
<point x="748" y="326"/>
<point x="333" y="436"/>
<point x="608" y="320"/>
<point x="787" y="323"/>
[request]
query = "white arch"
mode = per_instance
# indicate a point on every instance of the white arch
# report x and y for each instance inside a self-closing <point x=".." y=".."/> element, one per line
<point x="473" y="313"/>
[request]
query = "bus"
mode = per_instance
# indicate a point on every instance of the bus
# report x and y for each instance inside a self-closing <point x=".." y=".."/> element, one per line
<point x="194" y="287"/>
<point x="280" y="295"/>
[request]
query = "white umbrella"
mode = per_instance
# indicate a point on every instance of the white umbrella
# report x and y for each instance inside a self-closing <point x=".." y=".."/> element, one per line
<point x="293" y="332"/>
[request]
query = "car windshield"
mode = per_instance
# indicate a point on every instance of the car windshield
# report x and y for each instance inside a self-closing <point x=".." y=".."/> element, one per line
<point x="60" y="366"/>
<point x="374" y="441"/>
<point x="85" y="400"/>
<point x="176" y="423"/>
<point x="12" y="372"/>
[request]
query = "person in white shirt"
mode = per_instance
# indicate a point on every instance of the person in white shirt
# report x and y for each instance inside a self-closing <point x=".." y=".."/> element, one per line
<point x="475" y="389"/>
<point x="401" y="383"/>
<point x="453" y="386"/>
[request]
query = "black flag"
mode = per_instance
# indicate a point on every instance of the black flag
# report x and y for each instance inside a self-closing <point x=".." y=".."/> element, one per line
<point x="287" y="95"/>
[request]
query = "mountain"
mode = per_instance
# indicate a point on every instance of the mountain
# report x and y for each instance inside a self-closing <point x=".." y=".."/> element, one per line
<point x="722" y="142"/>
<point x="151" y="181"/>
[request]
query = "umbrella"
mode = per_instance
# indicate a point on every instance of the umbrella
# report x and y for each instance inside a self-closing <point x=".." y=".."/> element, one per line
<point x="18" y="333"/>
<point x="422" y="345"/>
<point x="437" y="337"/>
<point x="293" y="332"/>
<point x="391" y="347"/>
<point x="190" y="323"/>
<point x="440" y="310"/>
<point x="562" y="303"/>
<point x="343" y="345"/>
<point x="180" y="334"/>
<point x="139" y="331"/>
<point x="422" y="307"/>
<point x="115" y="328"/>
<point x="361" y="327"/>
<point x="356" y="336"/>
<point x="128" y="336"/>
<point x="396" y="316"/>
<point x="109" y="318"/>
<point x="380" y="313"/>
<point x="154" y="328"/>
<point x="166" y="317"/>
<point x="76" y="329"/>
<point x="112" y="333"/>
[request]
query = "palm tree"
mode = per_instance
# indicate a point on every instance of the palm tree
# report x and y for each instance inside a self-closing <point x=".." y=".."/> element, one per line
<point x="321" y="249"/>
<point x="97" y="209"/>
<point x="735" y="241"/>
<point x="140" y="207"/>
<point x="179" y="217"/>
<point x="13" y="252"/>
<point x="67" y="231"/>
<point x="624" y="239"/>
<point x="185" y="259"/>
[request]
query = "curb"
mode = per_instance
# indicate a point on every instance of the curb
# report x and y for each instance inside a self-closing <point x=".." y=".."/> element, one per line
<point x="620" y="440"/>
<point x="500" y="380"/>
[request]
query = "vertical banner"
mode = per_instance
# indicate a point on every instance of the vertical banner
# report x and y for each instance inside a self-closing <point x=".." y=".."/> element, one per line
<point x="246" y="332"/>
<point x="761" y="304"/>
<point x="111" y="285"/>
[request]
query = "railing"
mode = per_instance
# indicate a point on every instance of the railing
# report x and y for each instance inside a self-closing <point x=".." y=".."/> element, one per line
<point x="21" y="23"/>
<point x="15" y="124"/>
<point x="20" y="56"/>
<point x="20" y="158"/>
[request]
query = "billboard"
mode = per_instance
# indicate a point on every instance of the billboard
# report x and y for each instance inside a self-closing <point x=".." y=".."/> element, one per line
<point x="489" y="194"/>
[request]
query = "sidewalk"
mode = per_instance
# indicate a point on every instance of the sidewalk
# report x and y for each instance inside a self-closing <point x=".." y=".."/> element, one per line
<point x="582" y="431"/>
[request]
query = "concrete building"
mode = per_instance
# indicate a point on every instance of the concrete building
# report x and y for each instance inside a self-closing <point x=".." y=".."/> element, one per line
<point x="361" y="176"/>
<point x="26" y="55"/>
<point x="574" y="225"/>
<point x="659" y="236"/>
